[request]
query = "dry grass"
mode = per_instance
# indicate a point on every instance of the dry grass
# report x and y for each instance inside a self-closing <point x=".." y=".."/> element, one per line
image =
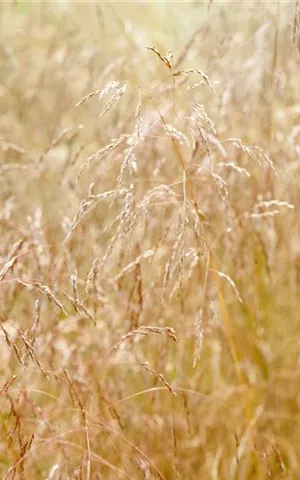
<point x="149" y="249"/>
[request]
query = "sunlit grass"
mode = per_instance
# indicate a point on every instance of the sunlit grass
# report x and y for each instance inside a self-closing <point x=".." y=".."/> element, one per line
<point x="149" y="240"/>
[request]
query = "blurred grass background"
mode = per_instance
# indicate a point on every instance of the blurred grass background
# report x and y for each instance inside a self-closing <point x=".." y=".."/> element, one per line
<point x="140" y="255"/>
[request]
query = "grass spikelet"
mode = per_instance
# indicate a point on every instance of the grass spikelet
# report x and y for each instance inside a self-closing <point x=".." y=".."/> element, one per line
<point x="222" y="187"/>
<point x="44" y="290"/>
<point x="196" y="71"/>
<point x="180" y="136"/>
<point x="12" y="258"/>
<point x="100" y="153"/>
<point x="268" y="208"/>
<point x="131" y="266"/>
<point x="11" y="343"/>
<point x="114" y="100"/>
<point x="30" y="351"/>
<point x="235" y="167"/>
<point x="75" y="301"/>
<point x="8" y="384"/>
<point x="159" y="376"/>
<point x="88" y="97"/>
<point x="146" y="330"/>
<point x="199" y="337"/>
<point x="33" y="332"/>
<point x="129" y="163"/>
<point x="274" y="203"/>
<point x="91" y="278"/>
<point x="79" y="307"/>
<point x="85" y="206"/>
<point x="202" y="117"/>
<point x="254" y="152"/>
<point x="24" y="448"/>
<point x="164" y="58"/>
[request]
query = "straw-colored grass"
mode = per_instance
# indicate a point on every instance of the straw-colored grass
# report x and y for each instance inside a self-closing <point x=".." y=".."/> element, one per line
<point x="149" y="249"/>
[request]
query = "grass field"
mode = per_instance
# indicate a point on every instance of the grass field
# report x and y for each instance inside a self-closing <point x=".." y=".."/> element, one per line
<point x="150" y="240"/>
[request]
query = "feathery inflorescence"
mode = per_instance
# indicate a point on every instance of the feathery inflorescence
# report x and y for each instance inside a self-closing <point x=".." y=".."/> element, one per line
<point x="149" y="248"/>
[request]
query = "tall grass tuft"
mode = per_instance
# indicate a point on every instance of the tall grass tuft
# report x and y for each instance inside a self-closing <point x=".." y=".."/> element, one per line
<point x="149" y="249"/>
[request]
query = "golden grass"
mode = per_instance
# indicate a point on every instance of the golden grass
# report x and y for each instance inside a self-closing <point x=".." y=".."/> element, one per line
<point x="149" y="240"/>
